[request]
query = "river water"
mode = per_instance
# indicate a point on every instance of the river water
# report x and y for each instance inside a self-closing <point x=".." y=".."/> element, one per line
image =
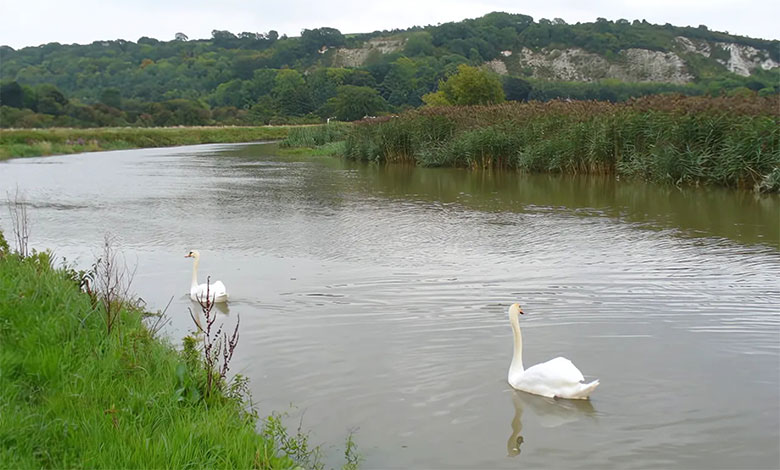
<point x="374" y="299"/>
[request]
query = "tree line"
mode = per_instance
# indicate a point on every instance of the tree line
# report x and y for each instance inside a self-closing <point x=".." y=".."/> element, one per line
<point x="262" y="78"/>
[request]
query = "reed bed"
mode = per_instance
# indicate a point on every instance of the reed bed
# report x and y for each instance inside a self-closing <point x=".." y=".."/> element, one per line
<point x="315" y="136"/>
<point x="729" y="141"/>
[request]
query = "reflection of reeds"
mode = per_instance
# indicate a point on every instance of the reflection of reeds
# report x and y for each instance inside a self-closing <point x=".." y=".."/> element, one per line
<point x="731" y="141"/>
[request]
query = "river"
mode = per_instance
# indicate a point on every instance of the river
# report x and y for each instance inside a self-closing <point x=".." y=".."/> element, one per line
<point x="374" y="299"/>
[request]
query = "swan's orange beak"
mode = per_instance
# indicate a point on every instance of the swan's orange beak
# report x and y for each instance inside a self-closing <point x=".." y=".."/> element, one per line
<point x="189" y="255"/>
<point x="521" y="311"/>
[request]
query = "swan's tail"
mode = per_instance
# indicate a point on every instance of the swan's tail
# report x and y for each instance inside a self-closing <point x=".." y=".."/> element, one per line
<point x="585" y="390"/>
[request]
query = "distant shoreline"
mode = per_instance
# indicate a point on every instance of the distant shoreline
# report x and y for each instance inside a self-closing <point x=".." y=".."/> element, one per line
<point x="17" y="143"/>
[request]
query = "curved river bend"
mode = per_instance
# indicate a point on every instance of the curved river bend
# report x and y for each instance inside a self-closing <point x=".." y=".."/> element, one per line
<point x="374" y="299"/>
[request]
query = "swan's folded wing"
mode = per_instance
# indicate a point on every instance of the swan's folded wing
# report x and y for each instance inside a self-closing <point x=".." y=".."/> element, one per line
<point x="558" y="371"/>
<point x="219" y="288"/>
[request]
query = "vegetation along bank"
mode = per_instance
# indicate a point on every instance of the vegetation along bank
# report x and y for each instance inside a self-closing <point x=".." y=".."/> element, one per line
<point x="728" y="141"/>
<point x="254" y="78"/>
<point x="37" y="142"/>
<point x="76" y="394"/>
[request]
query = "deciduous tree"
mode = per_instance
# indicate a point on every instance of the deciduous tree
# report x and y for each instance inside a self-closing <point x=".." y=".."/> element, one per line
<point x="354" y="102"/>
<point x="472" y="85"/>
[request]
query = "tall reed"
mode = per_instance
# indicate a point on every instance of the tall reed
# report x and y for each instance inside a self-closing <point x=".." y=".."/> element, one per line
<point x="730" y="141"/>
<point x="314" y="136"/>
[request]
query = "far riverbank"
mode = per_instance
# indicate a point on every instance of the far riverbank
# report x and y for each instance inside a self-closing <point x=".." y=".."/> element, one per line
<point x="16" y="143"/>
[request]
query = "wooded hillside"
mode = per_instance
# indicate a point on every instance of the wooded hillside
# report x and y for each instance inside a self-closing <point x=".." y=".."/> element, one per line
<point x="254" y="78"/>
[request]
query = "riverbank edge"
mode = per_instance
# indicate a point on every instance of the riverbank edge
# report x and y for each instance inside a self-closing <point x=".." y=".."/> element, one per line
<point x="682" y="141"/>
<point x="19" y="143"/>
<point x="74" y="395"/>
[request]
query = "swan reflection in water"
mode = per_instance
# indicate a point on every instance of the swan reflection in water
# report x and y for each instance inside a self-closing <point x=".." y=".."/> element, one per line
<point x="197" y="312"/>
<point x="550" y="412"/>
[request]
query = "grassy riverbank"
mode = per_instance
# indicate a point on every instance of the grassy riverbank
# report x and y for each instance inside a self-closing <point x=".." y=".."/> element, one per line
<point x="733" y="142"/>
<point x="74" y="396"/>
<point x="38" y="142"/>
<point x="324" y="140"/>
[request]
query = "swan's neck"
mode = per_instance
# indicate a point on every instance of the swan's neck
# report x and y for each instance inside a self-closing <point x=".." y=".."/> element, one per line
<point x="194" y="285"/>
<point x="517" y="359"/>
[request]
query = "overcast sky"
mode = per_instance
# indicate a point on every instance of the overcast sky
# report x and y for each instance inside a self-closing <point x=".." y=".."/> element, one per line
<point x="35" y="22"/>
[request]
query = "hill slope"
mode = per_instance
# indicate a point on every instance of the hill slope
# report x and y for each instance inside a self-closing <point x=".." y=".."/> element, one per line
<point x="253" y="77"/>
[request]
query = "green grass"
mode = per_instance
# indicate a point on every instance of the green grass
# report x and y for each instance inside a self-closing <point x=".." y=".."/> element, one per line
<point x="73" y="396"/>
<point x="326" y="140"/>
<point x="331" y="149"/>
<point x="38" y="142"/>
<point x="728" y="141"/>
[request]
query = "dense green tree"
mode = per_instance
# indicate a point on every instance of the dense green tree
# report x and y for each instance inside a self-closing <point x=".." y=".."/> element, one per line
<point x="436" y="98"/>
<point x="11" y="94"/>
<point x="111" y="97"/>
<point x="291" y="92"/>
<point x="472" y="85"/>
<point x="180" y="112"/>
<point x="360" y="78"/>
<point x="50" y="100"/>
<point x="263" y="111"/>
<point x="244" y="66"/>
<point x="232" y="93"/>
<point x="262" y="83"/>
<point x="29" y="97"/>
<point x="313" y="40"/>
<point x="223" y="38"/>
<point x="229" y="115"/>
<point x="355" y="102"/>
<point x="419" y="44"/>
<point x="516" y="89"/>
<point x="399" y="84"/>
<point x="323" y="84"/>
<point x="450" y="63"/>
<point x="447" y="33"/>
<point x="501" y="20"/>
<point x="286" y="53"/>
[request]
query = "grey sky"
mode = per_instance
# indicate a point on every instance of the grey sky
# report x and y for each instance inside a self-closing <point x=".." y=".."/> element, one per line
<point x="35" y="22"/>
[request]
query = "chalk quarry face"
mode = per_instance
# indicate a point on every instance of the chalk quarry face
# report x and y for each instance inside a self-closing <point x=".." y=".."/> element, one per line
<point x="357" y="57"/>
<point x="631" y="65"/>
<point x="575" y="64"/>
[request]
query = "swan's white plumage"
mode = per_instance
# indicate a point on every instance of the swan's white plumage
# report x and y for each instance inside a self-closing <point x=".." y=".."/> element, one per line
<point x="216" y="291"/>
<point x="555" y="378"/>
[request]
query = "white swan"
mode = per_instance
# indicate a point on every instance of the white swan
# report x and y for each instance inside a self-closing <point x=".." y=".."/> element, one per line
<point x="217" y="292"/>
<point x="555" y="378"/>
